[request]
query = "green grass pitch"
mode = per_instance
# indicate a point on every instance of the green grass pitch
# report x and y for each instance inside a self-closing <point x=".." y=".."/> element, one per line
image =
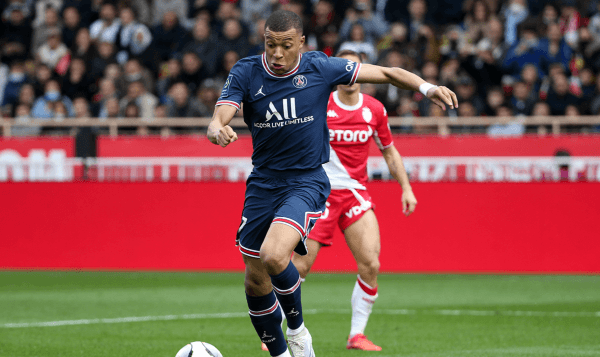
<point x="86" y="314"/>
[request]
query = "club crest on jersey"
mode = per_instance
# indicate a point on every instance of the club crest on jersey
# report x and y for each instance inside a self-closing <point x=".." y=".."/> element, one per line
<point x="367" y="115"/>
<point x="225" y="91"/>
<point x="299" y="81"/>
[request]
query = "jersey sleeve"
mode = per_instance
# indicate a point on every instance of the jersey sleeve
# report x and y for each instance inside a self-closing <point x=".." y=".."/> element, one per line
<point x="338" y="70"/>
<point x="235" y="88"/>
<point x="383" y="134"/>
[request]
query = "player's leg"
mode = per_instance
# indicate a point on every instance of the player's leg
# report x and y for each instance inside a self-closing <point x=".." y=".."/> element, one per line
<point x="275" y="254"/>
<point x="304" y="262"/>
<point x="265" y="312"/>
<point x="363" y="240"/>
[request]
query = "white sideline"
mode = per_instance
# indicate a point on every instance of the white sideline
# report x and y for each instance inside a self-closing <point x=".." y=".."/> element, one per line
<point x="228" y="315"/>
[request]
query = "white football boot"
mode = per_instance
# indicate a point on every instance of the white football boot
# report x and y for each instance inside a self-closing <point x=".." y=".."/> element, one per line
<point x="301" y="344"/>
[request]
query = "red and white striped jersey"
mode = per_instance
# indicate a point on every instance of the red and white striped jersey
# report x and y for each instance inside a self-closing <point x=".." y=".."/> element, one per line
<point x="350" y="128"/>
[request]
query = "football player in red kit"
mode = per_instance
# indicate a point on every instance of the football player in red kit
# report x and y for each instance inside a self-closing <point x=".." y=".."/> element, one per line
<point x="353" y="118"/>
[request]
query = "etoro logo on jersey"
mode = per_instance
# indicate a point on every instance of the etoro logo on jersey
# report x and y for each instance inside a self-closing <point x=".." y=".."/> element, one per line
<point x="289" y="117"/>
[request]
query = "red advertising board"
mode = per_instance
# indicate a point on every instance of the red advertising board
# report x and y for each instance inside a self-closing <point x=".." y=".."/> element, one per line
<point x="457" y="227"/>
<point x="407" y="145"/>
<point x="36" y="159"/>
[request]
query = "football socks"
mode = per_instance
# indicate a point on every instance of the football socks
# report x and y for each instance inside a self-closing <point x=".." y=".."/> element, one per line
<point x="363" y="298"/>
<point x="265" y="313"/>
<point x="287" y="289"/>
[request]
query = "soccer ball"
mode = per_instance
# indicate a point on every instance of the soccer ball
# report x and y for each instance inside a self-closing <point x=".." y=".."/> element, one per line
<point x="199" y="349"/>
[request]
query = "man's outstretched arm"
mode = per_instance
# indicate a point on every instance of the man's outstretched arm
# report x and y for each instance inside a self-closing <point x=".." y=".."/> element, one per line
<point x="396" y="166"/>
<point x="404" y="79"/>
<point x="219" y="132"/>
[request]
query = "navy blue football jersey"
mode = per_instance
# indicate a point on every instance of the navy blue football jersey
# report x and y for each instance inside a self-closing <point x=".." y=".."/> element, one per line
<point x="287" y="114"/>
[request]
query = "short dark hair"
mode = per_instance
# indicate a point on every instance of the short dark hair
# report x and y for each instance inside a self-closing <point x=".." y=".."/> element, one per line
<point x="348" y="53"/>
<point x="283" y="20"/>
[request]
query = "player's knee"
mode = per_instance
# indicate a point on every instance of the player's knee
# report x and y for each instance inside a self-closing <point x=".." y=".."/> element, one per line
<point x="255" y="286"/>
<point x="274" y="263"/>
<point x="371" y="266"/>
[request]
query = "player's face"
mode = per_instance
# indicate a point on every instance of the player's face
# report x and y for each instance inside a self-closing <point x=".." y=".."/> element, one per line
<point x="283" y="49"/>
<point x="356" y="86"/>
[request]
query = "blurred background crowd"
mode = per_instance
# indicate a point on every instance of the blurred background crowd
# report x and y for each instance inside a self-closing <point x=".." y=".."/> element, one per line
<point x="169" y="58"/>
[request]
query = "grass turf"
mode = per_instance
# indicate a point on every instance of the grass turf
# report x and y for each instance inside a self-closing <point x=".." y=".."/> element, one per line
<point x="415" y="315"/>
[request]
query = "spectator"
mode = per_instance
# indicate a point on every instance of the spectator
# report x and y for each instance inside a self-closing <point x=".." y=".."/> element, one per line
<point x="16" y="34"/>
<point x="49" y="25"/>
<point x="170" y="75"/>
<point x="494" y="100"/>
<point x="559" y="96"/>
<point x="530" y="75"/>
<point x="133" y="39"/>
<point x="595" y="106"/>
<point x="524" y="51"/>
<point x="77" y="81"/>
<point x="417" y="10"/>
<point x="39" y="8"/>
<point x="541" y="109"/>
<point x="474" y="27"/>
<point x="16" y="79"/>
<point x="53" y="104"/>
<point x="178" y="9"/>
<point x="554" y="49"/>
<point x="206" y="45"/>
<point x="113" y="71"/>
<point x="193" y="71"/>
<point x="81" y="107"/>
<point x="107" y="89"/>
<point x="506" y="126"/>
<point x="106" y="28"/>
<point x="141" y="10"/>
<point x="51" y="52"/>
<point x="523" y="99"/>
<point x="42" y="75"/>
<point x="144" y="101"/>
<point x="570" y="21"/>
<point x="26" y="95"/>
<point x="184" y="106"/>
<point x="72" y="23"/>
<point x="230" y="58"/>
<point x="84" y="8"/>
<point x="389" y="96"/>
<point x="254" y="10"/>
<point x="106" y="56"/>
<point x="466" y="91"/>
<point x="514" y="12"/>
<point x="132" y="111"/>
<point x="323" y="17"/>
<point x="374" y="27"/>
<point x="358" y="44"/>
<point x="23" y="116"/>
<point x="169" y="36"/>
<point x="234" y="39"/>
<point x="83" y="46"/>
<point x="257" y="40"/>
<point x="110" y="109"/>
<point x="134" y="71"/>
<point x="549" y="14"/>
<point x="209" y="93"/>
<point x="588" y="89"/>
<point x="483" y="64"/>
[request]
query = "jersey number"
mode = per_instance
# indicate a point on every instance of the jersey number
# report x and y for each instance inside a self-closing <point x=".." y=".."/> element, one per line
<point x="286" y="111"/>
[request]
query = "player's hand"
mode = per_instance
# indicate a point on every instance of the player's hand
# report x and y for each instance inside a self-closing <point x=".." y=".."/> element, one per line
<point x="443" y="96"/>
<point x="409" y="202"/>
<point x="226" y="136"/>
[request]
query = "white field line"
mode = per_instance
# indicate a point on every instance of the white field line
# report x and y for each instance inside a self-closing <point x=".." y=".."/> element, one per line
<point x="229" y="315"/>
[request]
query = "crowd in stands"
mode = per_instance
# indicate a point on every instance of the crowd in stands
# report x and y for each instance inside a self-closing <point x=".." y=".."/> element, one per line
<point x="65" y="59"/>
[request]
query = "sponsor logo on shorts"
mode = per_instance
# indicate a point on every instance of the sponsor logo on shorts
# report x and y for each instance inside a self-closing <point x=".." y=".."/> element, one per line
<point x="356" y="210"/>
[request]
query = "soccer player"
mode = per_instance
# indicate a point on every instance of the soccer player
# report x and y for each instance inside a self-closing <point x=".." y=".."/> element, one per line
<point x="285" y="96"/>
<point x="353" y="118"/>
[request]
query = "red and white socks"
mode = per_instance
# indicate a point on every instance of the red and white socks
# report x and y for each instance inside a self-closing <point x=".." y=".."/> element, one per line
<point x="363" y="298"/>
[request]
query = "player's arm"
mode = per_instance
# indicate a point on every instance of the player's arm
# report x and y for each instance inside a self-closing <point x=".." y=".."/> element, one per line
<point x="404" y="79"/>
<point x="219" y="132"/>
<point x="396" y="166"/>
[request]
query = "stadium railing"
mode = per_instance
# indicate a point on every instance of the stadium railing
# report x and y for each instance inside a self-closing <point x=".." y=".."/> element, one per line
<point x="442" y="125"/>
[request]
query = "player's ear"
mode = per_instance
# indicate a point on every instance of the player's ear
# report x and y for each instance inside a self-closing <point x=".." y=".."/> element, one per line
<point x="302" y="40"/>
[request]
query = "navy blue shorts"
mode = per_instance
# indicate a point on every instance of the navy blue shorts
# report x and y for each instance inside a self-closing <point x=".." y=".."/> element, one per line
<point x="294" y="197"/>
